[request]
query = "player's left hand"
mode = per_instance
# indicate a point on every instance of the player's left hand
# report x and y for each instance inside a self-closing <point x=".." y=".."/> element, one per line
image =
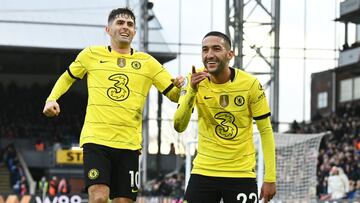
<point x="178" y="81"/>
<point x="268" y="191"/>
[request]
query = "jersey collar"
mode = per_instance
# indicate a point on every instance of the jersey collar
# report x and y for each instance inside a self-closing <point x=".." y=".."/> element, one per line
<point x="131" y="50"/>
<point x="232" y="74"/>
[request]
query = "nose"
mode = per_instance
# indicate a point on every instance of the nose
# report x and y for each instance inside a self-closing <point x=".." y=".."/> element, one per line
<point x="125" y="27"/>
<point x="209" y="54"/>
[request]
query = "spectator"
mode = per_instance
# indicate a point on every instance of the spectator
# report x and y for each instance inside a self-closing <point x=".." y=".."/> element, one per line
<point x="43" y="187"/>
<point x="357" y="190"/>
<point x="358" y="147"/>
<point x="39" y="145"/>
<point x="20" y="187"/>
<point x="63" y="187"/>
<point x="344" y="180"/>
<point x="53" y="184"/>
<point x="352" y="190"/>
<point x="295" y="128"/>
<point x="337" y="185"/>
<point x="172" y="148"/>
<point x="23" y="189"/>
<point x="16" y="187"/>
<point x="155" y="188"/>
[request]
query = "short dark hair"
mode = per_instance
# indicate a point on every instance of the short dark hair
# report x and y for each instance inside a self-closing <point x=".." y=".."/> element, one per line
<point x="219" y="34"/>
<point x="121" y="11"/>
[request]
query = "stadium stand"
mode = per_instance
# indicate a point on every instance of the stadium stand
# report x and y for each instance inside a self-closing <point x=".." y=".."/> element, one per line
<point x="22" y="119"/>
<point x="17" y="183"/>
<point x="340" y="148"/>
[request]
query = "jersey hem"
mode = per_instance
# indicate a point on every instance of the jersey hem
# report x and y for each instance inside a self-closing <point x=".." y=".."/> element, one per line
<point x="224" y="174"/>
<point x="107" y="144"/>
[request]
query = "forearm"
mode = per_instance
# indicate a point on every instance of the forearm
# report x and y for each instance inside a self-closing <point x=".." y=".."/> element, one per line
<point x="268" y="146"/>
<point x="173" y="94"/>
<point x="183" y="113"/>
<point x="61" y="86"/>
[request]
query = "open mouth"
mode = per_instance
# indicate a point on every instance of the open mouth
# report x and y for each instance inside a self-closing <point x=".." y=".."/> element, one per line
<point x="124" y="35"/>
<point x="211" y="64"/>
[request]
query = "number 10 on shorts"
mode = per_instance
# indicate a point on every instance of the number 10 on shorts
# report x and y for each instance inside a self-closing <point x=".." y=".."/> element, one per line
<point x="134" y="178"/>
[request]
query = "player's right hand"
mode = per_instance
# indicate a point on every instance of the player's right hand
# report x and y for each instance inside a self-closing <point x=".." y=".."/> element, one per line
<point x="178" y="81"/>
<point x="196" y="78"/>
<point x="51" y="109"/>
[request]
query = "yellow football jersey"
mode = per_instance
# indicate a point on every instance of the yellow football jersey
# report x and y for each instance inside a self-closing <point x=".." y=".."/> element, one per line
<point x="117" y="87"/>
<point x="225" y="119"/>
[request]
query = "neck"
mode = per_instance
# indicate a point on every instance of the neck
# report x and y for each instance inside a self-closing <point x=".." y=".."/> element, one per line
<point x="221" y="77"/>
<point x="120" y="48"/>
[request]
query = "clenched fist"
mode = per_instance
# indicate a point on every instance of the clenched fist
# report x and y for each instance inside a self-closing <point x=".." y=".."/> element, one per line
<point x="51" y="109"/>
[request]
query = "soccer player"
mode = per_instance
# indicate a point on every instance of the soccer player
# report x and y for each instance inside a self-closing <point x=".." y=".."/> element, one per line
<point x="227" y="101"/>
<point x="118" y="80"/>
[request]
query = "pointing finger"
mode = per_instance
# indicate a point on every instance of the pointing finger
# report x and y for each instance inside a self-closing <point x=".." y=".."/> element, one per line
<point x="193" y="69"/>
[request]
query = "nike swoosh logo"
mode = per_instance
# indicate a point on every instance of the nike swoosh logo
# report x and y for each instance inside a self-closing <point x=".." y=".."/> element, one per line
<point x="103" y="61"/>
<point x="207" y="97"/>
<point x="134" y="190"/>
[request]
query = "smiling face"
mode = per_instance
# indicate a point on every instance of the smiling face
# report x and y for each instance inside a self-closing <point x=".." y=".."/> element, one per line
<point x="121" y="30"/>
<point x="216" y="54"/>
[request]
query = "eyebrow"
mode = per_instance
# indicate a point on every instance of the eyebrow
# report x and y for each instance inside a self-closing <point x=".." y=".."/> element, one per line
<point x="124" y="20"/>
<point x="216" y="46"/>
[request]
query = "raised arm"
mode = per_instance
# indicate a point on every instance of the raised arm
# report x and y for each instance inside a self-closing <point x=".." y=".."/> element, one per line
<point x="61" y="86"/>
<point x="187" y="100"/>
<point x="183" y="113"/>
<point x="173" y="91"/>
<point x="76" y="71"/>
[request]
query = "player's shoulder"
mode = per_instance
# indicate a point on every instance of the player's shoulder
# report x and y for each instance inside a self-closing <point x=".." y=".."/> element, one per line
<point x="245" y="78"/>
<point x="97" y="49"/>
<point x="244" y="75"/>
<point x="90" y="50"/>
<point x="142" y="56"/>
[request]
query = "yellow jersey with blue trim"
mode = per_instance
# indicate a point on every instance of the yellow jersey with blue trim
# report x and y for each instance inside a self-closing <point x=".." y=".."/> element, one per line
<point x="225" y="119"/>
<point x="118" y="85"/>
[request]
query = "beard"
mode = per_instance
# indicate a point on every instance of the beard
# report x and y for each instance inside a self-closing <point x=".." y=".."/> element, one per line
<point x="215" y="70"/>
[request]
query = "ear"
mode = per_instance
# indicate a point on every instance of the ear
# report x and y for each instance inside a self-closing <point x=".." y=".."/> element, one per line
<point x="107" y="29"/>
<point x="230" y="54"/>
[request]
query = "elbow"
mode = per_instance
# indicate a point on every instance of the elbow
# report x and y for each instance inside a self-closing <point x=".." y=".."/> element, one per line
<point x="178" y="127"/>
<point x="175" y="98"/>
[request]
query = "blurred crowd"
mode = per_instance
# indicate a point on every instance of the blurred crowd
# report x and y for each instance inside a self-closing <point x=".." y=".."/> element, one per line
<point x="338" y="169"/>
<point x="53" y="186"/>
<point x="22" y="116"/>
<point x="170" y="185"/>
<point x="18" y="180"/>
